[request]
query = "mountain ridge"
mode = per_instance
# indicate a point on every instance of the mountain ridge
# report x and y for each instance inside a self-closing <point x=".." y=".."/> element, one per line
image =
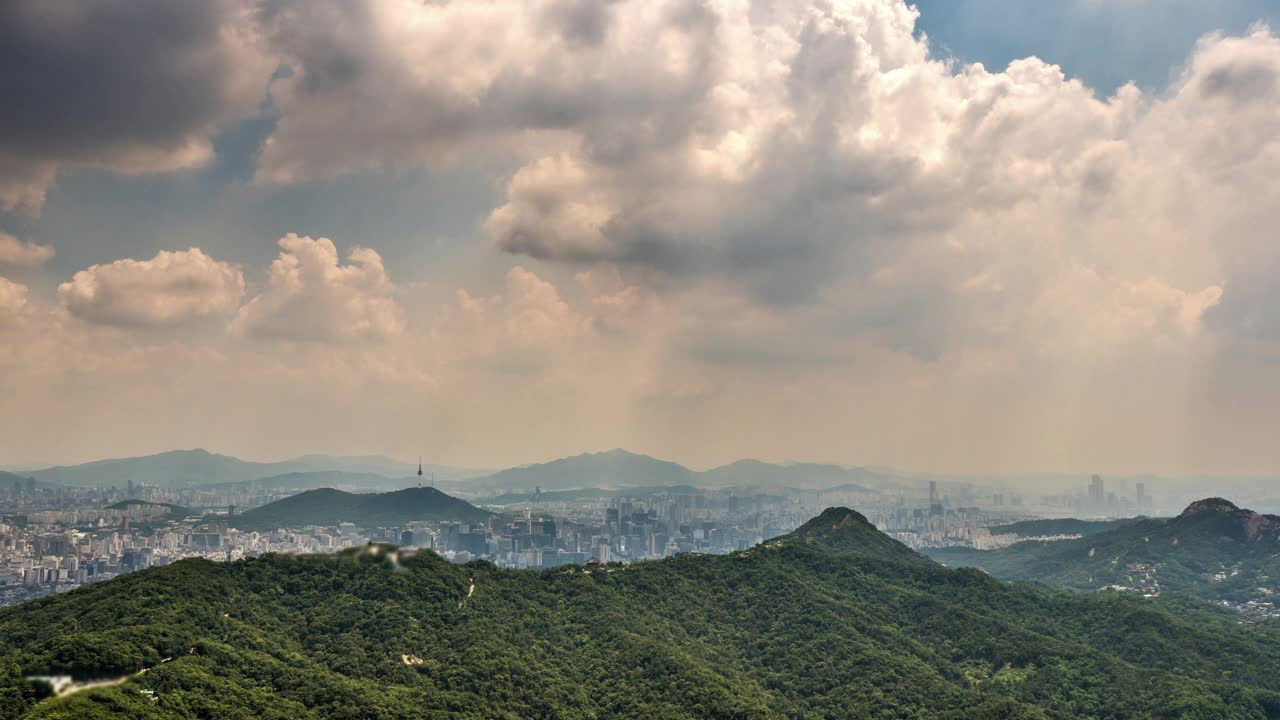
<point x="618" y="468"/>
<point x="338" y="479"/>
<point x="329" y="506"/>
<point x="198" y="467"/>
<point x="609" y="469"/>
<point x="844" y="529"/>
<point x="796" y="629"/>
<point x="1213" y="549"/>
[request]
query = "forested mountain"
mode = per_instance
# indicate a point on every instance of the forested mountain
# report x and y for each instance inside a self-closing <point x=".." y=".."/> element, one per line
<point x="832" y="621"/>
<point x="1212" y="549"/>
<point x="327" y="506"/>
<point x="1061" y="526"/>
<point x="845" y="530"/>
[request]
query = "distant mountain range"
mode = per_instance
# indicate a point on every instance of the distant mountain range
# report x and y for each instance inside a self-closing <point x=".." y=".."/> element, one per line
<point x="327" y="506"/>
<point x="606" y="470"/>
<point x="834" y="621"/>
<point x="1212" y="549"/>
<point x="514" y="497"/>
<point x="796" y="475"/>
<point x="10" y="480"/>
<point x="191" y="468"/>
<point x="338" y="479"/>
<point x="622" y="469"/>
<point x="614" y="468"/>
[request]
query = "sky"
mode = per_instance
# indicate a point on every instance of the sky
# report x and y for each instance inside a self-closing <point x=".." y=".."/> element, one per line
<point x="970" y="236"/>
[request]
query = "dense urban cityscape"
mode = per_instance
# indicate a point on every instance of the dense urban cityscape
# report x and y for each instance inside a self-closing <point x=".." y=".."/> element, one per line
<point x="53" y="539"/>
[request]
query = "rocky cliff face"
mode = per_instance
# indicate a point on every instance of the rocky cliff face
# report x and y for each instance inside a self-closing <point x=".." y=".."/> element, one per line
<point x="1229" y="522"/>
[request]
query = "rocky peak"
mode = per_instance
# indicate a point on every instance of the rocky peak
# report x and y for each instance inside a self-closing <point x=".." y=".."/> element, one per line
<point x="1217" y="505"/>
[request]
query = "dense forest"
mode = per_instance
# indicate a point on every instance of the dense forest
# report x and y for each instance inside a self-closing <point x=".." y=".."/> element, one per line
<point x="1213" y="549"/>
<point x="326" y="506"/>
<point x="833" y="621"/>
<point x="1060" y="526"/>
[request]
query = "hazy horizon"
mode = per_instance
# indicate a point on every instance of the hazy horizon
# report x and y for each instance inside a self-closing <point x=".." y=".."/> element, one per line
<point x="909" y="472"/>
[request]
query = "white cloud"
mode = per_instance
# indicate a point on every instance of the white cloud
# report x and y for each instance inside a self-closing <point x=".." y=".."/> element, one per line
<point x="15" y="252"/>
<point x="169" y="290"/>
<point x="311" y="296"/>
<point x="803" y="151"/>
<point x="527" y="326"/>
<point x="13" y="297"/>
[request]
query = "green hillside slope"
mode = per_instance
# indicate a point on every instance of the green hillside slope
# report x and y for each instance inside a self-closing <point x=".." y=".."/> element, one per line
<point x="1212" y="549"/>
<point x="813" y="625"/>
<point x="1060" y="526"/>
<point x="327" y="506"/>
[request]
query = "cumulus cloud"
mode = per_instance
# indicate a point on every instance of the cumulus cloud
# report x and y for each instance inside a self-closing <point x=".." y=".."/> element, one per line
<point x="13" y="296"/>
<point x="517" y="330"/>
<point x="311" y="296"/>
<point x="800" y="151"/>
<point x="169" y="290"/>
<point x="435" y="82"/>
<point x="128" y="87"/>
<point x="15" y="252"/>
<point x="807" y="153"/>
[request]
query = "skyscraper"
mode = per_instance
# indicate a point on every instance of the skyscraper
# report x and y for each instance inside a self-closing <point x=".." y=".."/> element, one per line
<point x="1097" y="495"/>
<point x="935" y="503"/>
<point x="1142" y="496"/>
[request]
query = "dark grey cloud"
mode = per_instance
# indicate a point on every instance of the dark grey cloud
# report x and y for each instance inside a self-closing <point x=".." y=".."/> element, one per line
<point x="473" y="78"/>
<point x="120" y="85"/>
<point x="580" y="22"/>
<point x="1250" y="305"/>
<point x="1241" y="82"/>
